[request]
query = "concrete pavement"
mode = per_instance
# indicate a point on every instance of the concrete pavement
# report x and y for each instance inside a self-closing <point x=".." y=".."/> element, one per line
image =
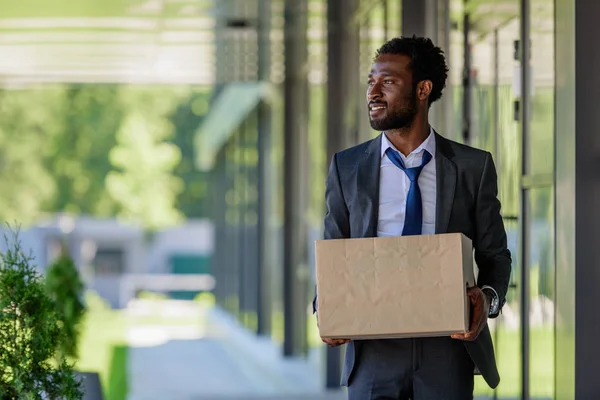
<point x="216" y="359"/>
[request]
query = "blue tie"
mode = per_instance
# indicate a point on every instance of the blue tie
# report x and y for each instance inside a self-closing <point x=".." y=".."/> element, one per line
<point x="413" y="218"/>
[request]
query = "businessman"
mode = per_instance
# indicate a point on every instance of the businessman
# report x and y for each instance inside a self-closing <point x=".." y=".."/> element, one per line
<point x="410" y="180"/>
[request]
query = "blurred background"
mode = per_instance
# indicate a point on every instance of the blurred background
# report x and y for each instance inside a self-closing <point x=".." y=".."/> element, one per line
<point x="180" y="148"/>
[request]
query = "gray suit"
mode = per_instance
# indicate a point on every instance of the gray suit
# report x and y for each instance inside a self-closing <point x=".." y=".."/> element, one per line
<point x="466" y="202"/>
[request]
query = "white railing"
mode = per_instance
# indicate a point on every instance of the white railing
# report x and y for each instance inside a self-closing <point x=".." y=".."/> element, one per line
<point x="130" y="283"/>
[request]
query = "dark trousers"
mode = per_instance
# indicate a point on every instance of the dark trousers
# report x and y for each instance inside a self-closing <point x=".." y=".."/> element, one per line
<point x="415" y="369"/>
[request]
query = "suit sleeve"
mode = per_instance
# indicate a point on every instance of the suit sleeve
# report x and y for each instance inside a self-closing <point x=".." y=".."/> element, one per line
<point x="491" y="252"/>
<point x="337" y="220"/>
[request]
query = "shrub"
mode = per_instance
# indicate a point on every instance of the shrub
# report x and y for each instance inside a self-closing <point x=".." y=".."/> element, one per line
<point x="30" y="334"/>
<point x="65" y="287"/>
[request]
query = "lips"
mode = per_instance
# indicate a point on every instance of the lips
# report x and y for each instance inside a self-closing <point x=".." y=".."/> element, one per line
<point x="377" y="108"/>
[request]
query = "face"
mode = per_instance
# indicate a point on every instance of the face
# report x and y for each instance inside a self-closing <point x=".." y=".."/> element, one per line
<point x="392" y="98"/>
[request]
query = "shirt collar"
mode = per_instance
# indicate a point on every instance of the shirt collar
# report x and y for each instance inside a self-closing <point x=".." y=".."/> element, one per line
<point x="428" y="144"/>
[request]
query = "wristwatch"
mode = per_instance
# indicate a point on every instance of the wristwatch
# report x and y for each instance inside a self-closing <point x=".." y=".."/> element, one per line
<point x="495" y="301"/>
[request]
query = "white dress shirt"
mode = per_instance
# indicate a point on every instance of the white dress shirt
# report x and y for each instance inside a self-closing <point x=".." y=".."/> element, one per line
<point x="394" y="185"/>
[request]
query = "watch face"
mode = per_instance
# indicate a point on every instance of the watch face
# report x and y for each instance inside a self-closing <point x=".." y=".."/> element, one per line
<point x="494" y="305"/>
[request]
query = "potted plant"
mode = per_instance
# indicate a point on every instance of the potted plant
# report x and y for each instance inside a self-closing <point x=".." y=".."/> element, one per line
<point x="30" y="333"/>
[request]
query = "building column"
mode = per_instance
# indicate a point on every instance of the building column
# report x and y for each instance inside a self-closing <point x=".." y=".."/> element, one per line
<point x="577" y="198"/>
<point x="431" y="18"/>
<point x="295" y="263"/>
<point x="218" y="210"/>
<point x="264" y="171"/>
<point x="420" y="17"/>
<point x="343" y="63"/>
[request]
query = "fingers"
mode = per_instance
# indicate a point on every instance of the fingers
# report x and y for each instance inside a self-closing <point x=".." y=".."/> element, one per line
<point x="338" y="342"/>
<point x="335" y="342"/>
<point x="468" y="336"/>
<point x="478" y="317"/>
<point x="477" y="324"/>
<point x="475" y="295"/>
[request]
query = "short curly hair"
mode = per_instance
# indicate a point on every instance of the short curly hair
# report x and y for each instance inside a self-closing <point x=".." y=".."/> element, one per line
<point x="427" y="61"/>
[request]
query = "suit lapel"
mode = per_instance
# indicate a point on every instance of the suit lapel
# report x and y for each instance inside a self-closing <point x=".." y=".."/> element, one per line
<point x="368" y="169"/>
<point x="368" y="188"/>
<point x="446" y="183"/>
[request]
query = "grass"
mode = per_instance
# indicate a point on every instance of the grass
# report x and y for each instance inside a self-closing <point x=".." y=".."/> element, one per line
<point x="117" y="389"/>
<point x="103" y="348"/>
<point x="103" y="345"/>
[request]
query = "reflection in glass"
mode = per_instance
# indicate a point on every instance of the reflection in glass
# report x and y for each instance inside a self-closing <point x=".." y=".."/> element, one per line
<point x="540" y="203"/>
<point x="541" y="128"/>
<point x="507" y="327"/>
<point x="493" y="127"/>
<point x="540" y="233"/>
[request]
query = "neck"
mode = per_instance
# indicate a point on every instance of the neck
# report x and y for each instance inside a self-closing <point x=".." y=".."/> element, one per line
<point x="407" y="139"/>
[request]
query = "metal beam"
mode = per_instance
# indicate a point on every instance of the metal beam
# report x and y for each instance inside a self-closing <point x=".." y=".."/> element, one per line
<point x="526" y="219"/>
<point x="587" y="197"/>
<point x="295" y="290"/>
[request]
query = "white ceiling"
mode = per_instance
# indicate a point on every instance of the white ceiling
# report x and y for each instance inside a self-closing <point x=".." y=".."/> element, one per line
<point x="155" y="41"/>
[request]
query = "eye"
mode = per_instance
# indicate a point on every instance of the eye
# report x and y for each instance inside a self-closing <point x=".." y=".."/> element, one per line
<point x="388" y="81"/>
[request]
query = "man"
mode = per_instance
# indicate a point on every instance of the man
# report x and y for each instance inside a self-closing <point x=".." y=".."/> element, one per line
<point x="411" y="181"/>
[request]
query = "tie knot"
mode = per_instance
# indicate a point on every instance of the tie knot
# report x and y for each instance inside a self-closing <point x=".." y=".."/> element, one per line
<point x="412" y="173"/>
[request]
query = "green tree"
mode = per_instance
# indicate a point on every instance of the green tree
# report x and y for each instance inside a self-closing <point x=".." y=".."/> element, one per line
<point x="65" y="287"/>
<point x="144" y="185"/>
<point x="30" y="334"/>
<point x="28" y="119"/>
<point x="78" y="155"/>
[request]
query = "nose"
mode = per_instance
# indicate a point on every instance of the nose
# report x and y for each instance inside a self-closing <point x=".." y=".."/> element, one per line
<point x="374" y="92"/>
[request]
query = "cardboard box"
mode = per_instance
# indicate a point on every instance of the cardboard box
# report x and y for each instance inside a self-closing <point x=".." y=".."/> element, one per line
<point x="394" y="287"/>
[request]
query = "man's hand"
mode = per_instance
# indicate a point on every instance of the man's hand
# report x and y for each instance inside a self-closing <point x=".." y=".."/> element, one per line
<point x="480" y="306"/>
<point x="332" y="342"/>
<point x="335" y="342"/>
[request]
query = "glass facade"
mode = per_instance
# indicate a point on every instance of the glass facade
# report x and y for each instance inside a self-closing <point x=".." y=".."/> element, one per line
<point x="483" y="106"/>
<point x="489" y="96"/>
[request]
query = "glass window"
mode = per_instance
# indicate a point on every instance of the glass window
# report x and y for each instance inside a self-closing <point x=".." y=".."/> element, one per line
<point x="541" y="128"/>
<point x="494" y="26"/>
<point x="540" y="202"/>
<point x="540" y="231"/>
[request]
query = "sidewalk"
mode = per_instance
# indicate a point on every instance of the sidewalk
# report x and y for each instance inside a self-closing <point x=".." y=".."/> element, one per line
<point x="218" y="360"/>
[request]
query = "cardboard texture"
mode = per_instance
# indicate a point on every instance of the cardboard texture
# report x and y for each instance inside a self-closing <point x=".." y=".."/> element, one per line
<point x="394" y="287"/>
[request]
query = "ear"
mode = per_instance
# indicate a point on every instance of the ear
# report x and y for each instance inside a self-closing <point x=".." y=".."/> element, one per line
<point x="424" y="90"/>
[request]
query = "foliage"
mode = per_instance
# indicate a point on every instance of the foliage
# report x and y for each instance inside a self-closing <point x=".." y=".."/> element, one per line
<point x="144" y="185"/>
<point x="30" y="333"/>
<point x="192" y="201"/>
<point x="101" y="150"/>
<point x="27" y="122"/>
<point x="77" y="155"/>
<point x="66" y="289"/>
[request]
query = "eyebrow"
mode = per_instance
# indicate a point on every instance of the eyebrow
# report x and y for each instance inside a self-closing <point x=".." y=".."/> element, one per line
<point x="382" y="74"/>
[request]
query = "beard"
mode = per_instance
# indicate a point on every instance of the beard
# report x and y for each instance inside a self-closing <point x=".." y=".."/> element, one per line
<point x="400" y="118"/>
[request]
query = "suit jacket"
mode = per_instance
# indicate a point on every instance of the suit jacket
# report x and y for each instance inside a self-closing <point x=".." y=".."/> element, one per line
<point x="466" y="203"/>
